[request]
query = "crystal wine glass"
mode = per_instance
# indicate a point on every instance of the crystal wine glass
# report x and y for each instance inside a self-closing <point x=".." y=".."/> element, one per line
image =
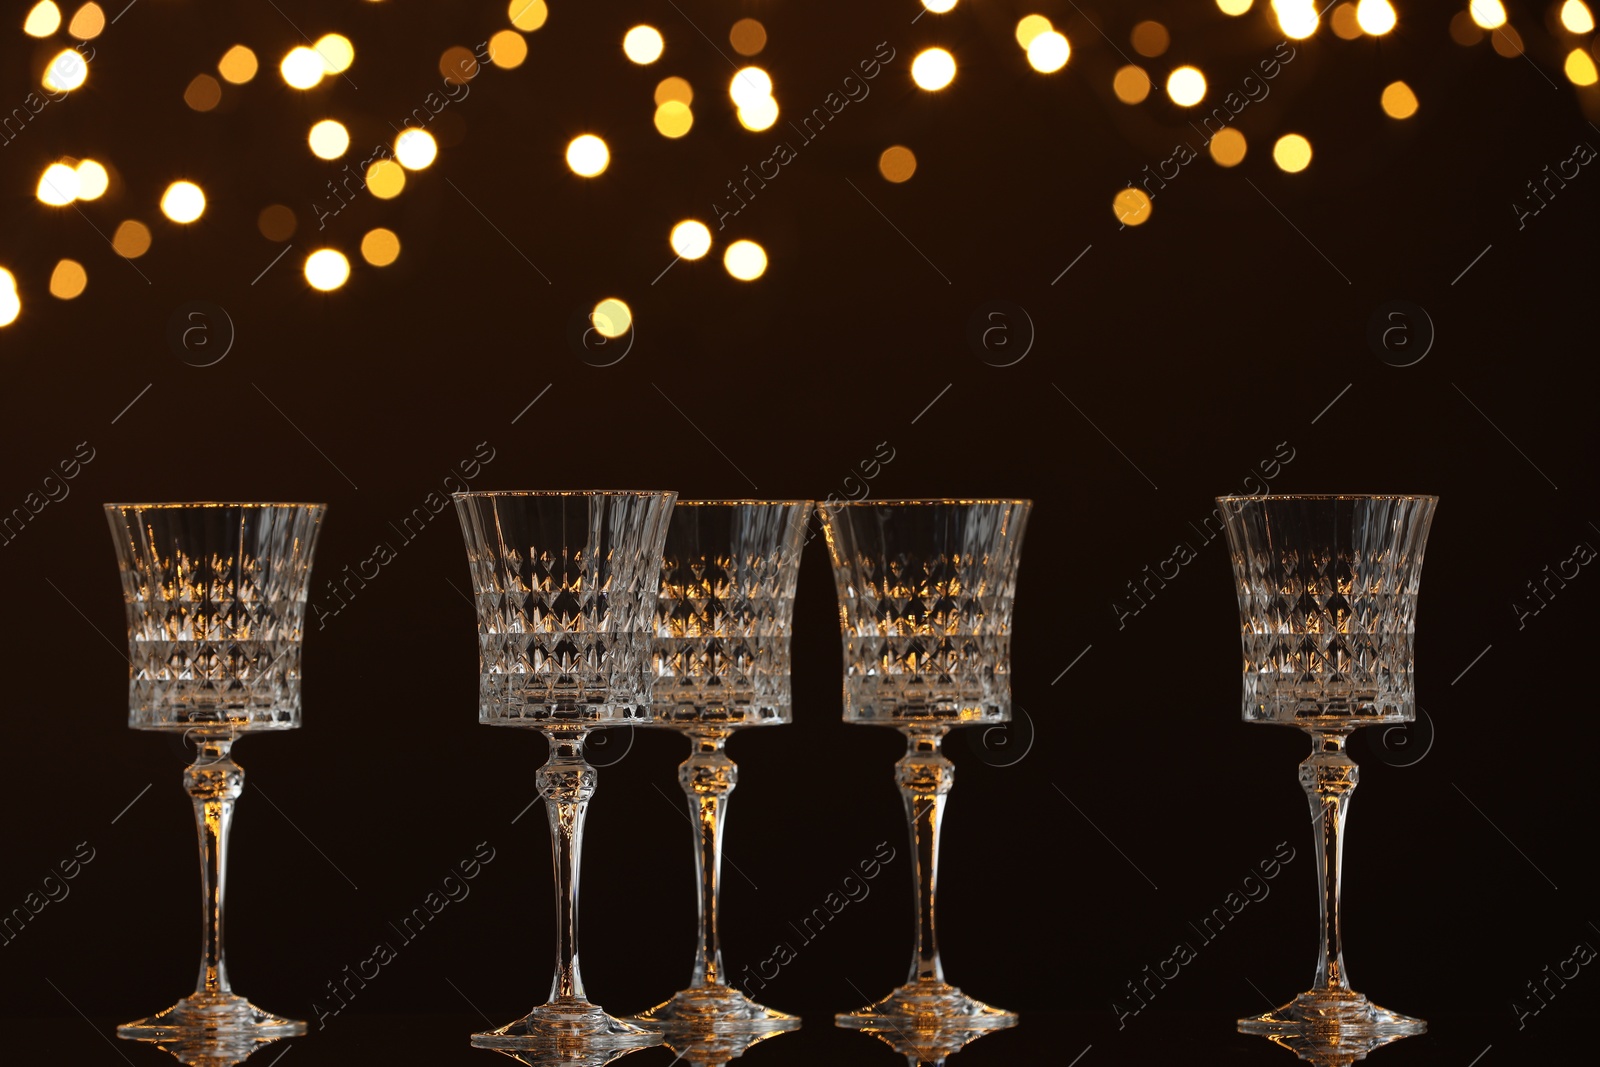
<point x="216" y="600"/>
<point x="1328" y="599"/>
<point x="565" y="587"/>
<point x="722" y="662"/>
<point x="926" y="588"/>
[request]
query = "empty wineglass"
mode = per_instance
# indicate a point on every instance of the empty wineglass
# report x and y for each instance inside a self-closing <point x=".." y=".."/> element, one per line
<point x="215" y="597"/>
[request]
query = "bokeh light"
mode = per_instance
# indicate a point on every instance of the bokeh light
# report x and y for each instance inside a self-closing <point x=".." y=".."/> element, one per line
<point x="690" y="239"/>
<point x="1132" y="206"/>
<point x="527" y="15"/>
<point x="1298" y="19"/>
<point x="336" y="52"/>
<point x="1579" y="67"/>
<point x="380" y="247"/>
<point x="643" y="44"/>
<point x="933" y="69"/>
<point x="415" y="149"/>
<point x="458" y="65"/>
<point x="58" y="185"/>
<point x="302" y="68"/>
<point x="673" y="119"/>
<point x="1507" y="41"/>
<point x="1031" y="26"/>
<point x="1375" y="17"/>
<point x="1228" y="147"/>
<point x="745" y="260"/>
<point x="939" y="7"/>
<point x="1186" y="86"/>
<point x="329" y="139"/>
<point x="43" y="19"/>
<point x="1399" y="102"/>
<point x="1233" y="7"/>
<point x="749" y="86"/>
<point x="1576" y="17"/>
<point x="10" y="302"/>
<point x="1345" y="24"/>
<point x="897" y="163"/>
<point x="1292" y="153"/>
<point x="759" y="114"/>
<point x="66" y="72"/>
<point x="238" y="65"/>
<point x="183" y="202"/>
<point x="1048" y="52"/>
<point x="203" y="93"/>
<point x="588" y="155"/>
<point x="131" y="240"/>
<point x="674" y="88"/>
<point x="93" y="180"/>
<point x="748" y="37"/>
<point x="276" y="222"/>
<point x="508" y="49"/>
<point x="1464" y="31"/>
<point x="385" y="179"/>
<point x="611" y="318"/>
<point x="88" y="23"/>
<point x="1150" y="38"/>
<point x="68" y="280"/>
<point x="1489" y="14"/>
<point x="327" y="269"/>
<point x="1131" y="84"/>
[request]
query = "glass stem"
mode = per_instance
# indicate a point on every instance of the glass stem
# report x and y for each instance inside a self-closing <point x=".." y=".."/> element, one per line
<point x="925" y="777"/>
<point x="1329" y="776"/>
<point x="566" y="782"/>
<point x="707" y="777"/>
<point x="214" y="782"/>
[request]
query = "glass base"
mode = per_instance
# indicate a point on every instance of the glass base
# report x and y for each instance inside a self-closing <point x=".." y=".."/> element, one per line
<point x="567" y="1024"/>
<point x="928" y="1005"/>
<point x="1324" y="1019"/>
<point x="212" y="1017"/>
<point x="714" y="1009"/>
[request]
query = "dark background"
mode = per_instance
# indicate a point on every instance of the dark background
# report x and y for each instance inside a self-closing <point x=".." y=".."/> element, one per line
<point x="1165" y="367"/>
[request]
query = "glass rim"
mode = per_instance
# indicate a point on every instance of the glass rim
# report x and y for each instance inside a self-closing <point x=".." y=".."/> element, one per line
<point x="176" y="504"/>
<point x="924" y="501"/>
<point x="553" y="493"/>
<point x="1328" y="496"/>
<point x="745" y="502"/>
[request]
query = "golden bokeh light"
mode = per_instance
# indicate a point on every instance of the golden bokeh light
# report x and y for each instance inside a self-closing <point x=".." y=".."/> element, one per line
<point x="745" y="260"/>
<point x="1031" y="26"/>
<point x="1399" y="102"/>
<point x="1132" y="206"/>
<point x="759" y="115"/>
<point x="1375" y="17"/>
<point x="1507" y="41"/>
<point x="527" y="15"/>
<point x="327" y="269"/>
<point x="1298" y="19"/>
<point x="1464" y="31"/>
<point x="336" y="52"/>
<point x="415" y="149"/>
<point x="939" y="7"/>
<point x="749" y="86"/>
<point x="238" y="65"/>
<point x="674" y="88"/>
<point x="1576" y="17"/>
<point x="380" y="247"/>
<point x="183" y="202"/>
<point x="385" y="179"/>
<point x="328" y="139"/>
<point x="611" y="318"/>
<point x="588" y="155"/>
<point x="1186" y="86"/>
<point x="748" y="37"/>
<point x="302" y="68"/>
<point x="202" y="93"/>
<point x="933" y="69"/>
<point x="10" y="302"/>
<point x="93" y="179"/>
<point x="508" y="49"/>
<point x="897" y="164"/>
<point x="690" y="239"/>
<point x="43" y="19"/>
<point x="643" y="45"/>
<point x="66" y="72"/>
<point x="1150" y="38"/>
<point x="1048" y="52"/>
<point x="58" y="185"/>
<point x="1233" y="7"/>
<point x="458" y="65"/>
<point x="1131" y="84"/>
<point x="68" y="280"/>
<point x="131" y="240"/>
<point x="1228" y="147"/>
<point x="1489" y="14"/>
<point x="1579" y="67"/>
<point x="1345" y="24"/>
<point x="88" y="23"/>
<point x="1292" y="153"/>
<point x="276" y="222"/>
<point x="673" y="119"/>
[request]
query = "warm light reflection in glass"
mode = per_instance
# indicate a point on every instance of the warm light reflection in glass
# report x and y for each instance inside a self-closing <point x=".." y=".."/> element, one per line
<point x="415" y="148"/>
<point x="1150" y="38"/>
<point x="611" y="318"/>
<point x="276" y="222"/>
<point x="1031" y="26"/>
<point x="1292" y="153"/>
<point x="1399" y="102"/>
<point x="897" y="164"/>
<point x="1186" y="86"/>
<point x="131" y="240"/>
<point x="1345" y="24"/>
<point x="1233" y="7"/>
<point x="508" y="49"/>
<point x="643" y="44"/>
<point x="42" y="20"/>
<point x="749" y="86"/>
<point x="380" y="247"/>
<point x="68" y="280"/>
<point x="88" y="23"/>
<point x="238" y="65"/>
<point x="1507" y="41"/>
<point x="93" y="180"/>
<point x="1132" y="206"/>
<point x="327" y="269"/>
<point x="745" y="260"/>
<point x="302" y="68"/>
<point x="58" y="185"/>
<point x="759" y="115"/>
<point x="674" y="88"/>
<point x="690" y="239"/>
<point x="329" y="139"/>
<point x="588" y="155"/>
<point x="183" y="202"/>
<point x="385" y="179"/>
<point x="336" y="51"/>
<point x="66" y="72"/>
<point x="1375" y="17"/>
<point x="1048" y="52"/>
<point x="933" y="69"/>
<point x="527" y="15"/>
<point x="1228" y="147"/>
<point x="748" y="37"/>
<point x="1576" y="17"/>
<point x="203" y="93"/>
<point x="1580" y="68"/>
<point x="1297" y="18"/>
<point x="1131" y="84"/>
<point x="1489" y="14"/>
<point x="673" y="119"/>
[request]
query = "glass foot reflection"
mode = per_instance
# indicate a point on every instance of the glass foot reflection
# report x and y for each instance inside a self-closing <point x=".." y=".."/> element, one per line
<point x="567" y="1056"/>
<point x="1332" y="1019"/>
<point x="928" y="1004"/>
<point x="713" y="1049"/>
<point x="214" y="1017"/>
<point x="567" y="1022"/>
<point x="210" y="1051"/>
<point x="714" y="1009"/>
<point x="931" y="1046"/>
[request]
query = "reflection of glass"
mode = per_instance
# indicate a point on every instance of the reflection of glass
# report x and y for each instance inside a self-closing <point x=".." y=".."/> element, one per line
<point x="565" y="588"/>
<point x="568" y="1055"/>
<point x="215" y="597"/>
<point x="722" y="662"/>
<point x="708" y="1048"/>
<point x="1328" y="597"/>
<point x="927" y="1046"/>
<point x="1332" y="1049"/>
<point x="210" y="1051"/>
<point x="925" y="590"/>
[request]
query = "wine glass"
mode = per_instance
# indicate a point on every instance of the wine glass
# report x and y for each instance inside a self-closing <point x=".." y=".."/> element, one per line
<point x="1328" y="600"/>
<point x="565" y="588"/>
<point x="926" y="590"/>
<point x="722" y="663"/>
<point x="216" y="598"/>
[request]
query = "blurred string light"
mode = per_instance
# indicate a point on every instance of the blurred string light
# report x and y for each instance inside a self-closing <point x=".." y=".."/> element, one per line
<point x="88" y="23"/>
<point x="1150" y="38"/>
<point x="897" y="164"/>
<point x="759" y="115"/>
<point x="1132" y="206"/>
<point x="1186" y="86"/>
<point x="66" y="72"/>
<point x="1131" y="84"/>
<point x="302" y="68"/>
<point x="203" y="93"/>
<point x="611" y="318"/>
<point x="131" y="240"/>
<point x="508" y="49"/>
<point x="673" y="119"/>
<point x="1031" y="26"/>
<point x="1346" y="26"/>
<point x="1463" y="30"/>
<point x="68" y="280"/>
<point x="1233" y="7"/>
<point x="385" y="179"/>
<point x="327" y="269"/>
<point x="939" y="7"/>
<point x="1375" y="17"/>
<point x="238" y="65"/>
<point x="588" y="155"/>
<point x="1298" y="19"/>
<point x="10" y="302"/>
<point x="674" y="88"/>
<point x="690" y="239"/>
<point x="93" y="179"/>
<point x="1580" y="68"/>
<point x="1292" y="153"/>
<point x="1228" y="147"/>
<point x="748" y="37"/>
<point x="1576" y="17"/>
<point x="1048" y="52"/>
<point x="380" y="247"/>
<point x="458" y="65"/>
<point x="415" y="149"/>
<point x="527" y="15"/>
<point x="643" y="45"/>
<point x="1489" y="14"/>
<point x="934" y="68"/>
<point x="1398" y="101"/>
<point x="328" y="139"/>
<point x="42" y="20"/>
<point x="336" y="52"/>
<point x="745" y="260"/>
<point x="58" y="185"/>
<point x="751" y="90"/>
<point x="183" y="202"/>
<point x="276" y="222"/>
<point x="1507" y="41"/>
